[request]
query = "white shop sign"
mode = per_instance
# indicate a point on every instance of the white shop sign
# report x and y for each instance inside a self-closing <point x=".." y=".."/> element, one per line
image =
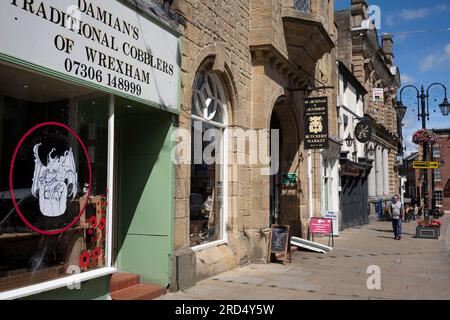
<point x="335" y="217"/>
<point x="378" y="95"/>
<point x="103" y="42"/>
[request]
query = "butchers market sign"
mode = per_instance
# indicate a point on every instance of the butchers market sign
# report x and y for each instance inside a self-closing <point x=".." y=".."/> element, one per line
<point x="102" y="42"/>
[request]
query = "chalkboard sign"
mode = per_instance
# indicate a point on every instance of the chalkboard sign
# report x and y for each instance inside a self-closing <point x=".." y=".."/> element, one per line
<point x="279" y="240"/>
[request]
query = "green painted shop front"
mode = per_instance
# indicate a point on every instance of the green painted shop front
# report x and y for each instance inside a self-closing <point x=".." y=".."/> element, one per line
<point x="116" y="128"/>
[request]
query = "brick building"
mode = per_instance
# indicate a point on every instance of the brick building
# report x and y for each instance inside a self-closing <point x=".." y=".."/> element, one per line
<point x="441" y="153"/>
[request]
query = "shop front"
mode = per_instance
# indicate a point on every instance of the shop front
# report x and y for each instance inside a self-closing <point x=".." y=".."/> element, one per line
<point x="354" y="192"/>
<point x="89" y="95"/>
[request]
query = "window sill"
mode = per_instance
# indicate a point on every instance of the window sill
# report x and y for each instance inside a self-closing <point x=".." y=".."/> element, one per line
<point x="208" y="245"/>
<point x="55" y="284"/>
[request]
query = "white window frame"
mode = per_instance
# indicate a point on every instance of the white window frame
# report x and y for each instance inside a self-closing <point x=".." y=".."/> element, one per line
<point x="437" y="175"/>
<point x="224" y="166"/>
<point x="89" y="275"/>
<point x="441" y="199"/>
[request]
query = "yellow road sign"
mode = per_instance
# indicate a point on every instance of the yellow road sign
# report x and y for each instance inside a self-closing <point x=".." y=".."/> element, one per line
<point x="426" y="165"/>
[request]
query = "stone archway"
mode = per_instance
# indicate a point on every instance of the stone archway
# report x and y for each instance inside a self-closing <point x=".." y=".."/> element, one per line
<point x="284" y="198"/>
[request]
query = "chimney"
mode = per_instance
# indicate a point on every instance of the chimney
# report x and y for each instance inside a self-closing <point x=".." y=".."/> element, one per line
<point x="387" y="45"/>
<point x="359" y="12"/>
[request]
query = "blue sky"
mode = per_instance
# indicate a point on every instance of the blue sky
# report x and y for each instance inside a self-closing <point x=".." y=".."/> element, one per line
<point x="422" y="52"/>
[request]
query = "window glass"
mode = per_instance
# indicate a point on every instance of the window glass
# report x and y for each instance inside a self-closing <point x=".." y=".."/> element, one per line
<point x="53" y="137"/>
<point x="437" y="175"/>
<point x="438" y="198"/>
<point x="207" y="180"/>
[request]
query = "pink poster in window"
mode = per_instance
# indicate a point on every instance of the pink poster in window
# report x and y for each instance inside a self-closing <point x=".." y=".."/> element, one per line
<point x="321" y="225"/>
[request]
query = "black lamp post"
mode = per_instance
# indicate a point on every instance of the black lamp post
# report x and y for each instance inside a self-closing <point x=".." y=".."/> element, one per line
<point x="349" y="141"/>
<point x="371" y="150"/>
<point x="423" y="113"/>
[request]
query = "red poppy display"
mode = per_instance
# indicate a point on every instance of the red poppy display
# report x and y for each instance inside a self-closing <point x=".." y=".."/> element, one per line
<point x="93" y="221"/>
<point x="102" y="224"/>
<point x="96" y="253"/>
<point x="84" y="259"/>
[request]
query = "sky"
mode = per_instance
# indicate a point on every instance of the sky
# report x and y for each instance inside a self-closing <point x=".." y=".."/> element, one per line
<point x="421" y="32"/>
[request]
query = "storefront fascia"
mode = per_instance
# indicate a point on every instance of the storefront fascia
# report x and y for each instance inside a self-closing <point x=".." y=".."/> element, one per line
<point x="138" y="219"/>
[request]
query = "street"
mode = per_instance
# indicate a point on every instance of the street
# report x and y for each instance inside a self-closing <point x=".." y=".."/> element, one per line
<point x="410" y="269"/>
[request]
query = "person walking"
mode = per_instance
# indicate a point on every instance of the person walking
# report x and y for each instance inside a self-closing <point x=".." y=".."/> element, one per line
<point x="397" y="216"/>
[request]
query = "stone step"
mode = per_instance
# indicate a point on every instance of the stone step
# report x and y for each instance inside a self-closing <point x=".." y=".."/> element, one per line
<point x="123" y="280"/>
<point x="139" y="292"/>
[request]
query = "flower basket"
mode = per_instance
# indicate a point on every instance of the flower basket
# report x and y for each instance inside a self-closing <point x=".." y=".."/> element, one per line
<point x="424" y="136"/>
<point x="428" y="230"/>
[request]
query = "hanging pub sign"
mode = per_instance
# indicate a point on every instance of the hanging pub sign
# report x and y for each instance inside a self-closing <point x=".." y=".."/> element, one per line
<point x="316" y="123"/>
<point x="105" y="44"/>
<point x="363" y="131"/>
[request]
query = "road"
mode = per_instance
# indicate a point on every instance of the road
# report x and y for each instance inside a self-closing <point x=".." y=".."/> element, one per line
<point x="408" y="269"/>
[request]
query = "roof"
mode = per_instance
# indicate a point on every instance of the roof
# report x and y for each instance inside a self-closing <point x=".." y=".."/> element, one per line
<point x="351" y="78"/>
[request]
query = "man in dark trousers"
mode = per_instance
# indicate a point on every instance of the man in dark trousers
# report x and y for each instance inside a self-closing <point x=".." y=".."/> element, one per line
<point x="397" y="216"/>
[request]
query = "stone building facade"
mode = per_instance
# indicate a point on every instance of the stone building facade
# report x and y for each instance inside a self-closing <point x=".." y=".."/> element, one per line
<point x="255" y="61"/>
<point x="372" y="63"/>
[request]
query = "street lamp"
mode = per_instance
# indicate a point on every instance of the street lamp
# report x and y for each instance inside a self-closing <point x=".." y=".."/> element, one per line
<point x="371" y="150"/>
<point x="349" y="141"/>
<point x="445" y="107"/>
<point x="423" y="113"/>
<point x="401" y="110"/>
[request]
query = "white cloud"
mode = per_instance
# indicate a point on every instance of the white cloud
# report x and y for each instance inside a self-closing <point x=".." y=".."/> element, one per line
<point x="414" y="14"/>
<point x="390" y="20"/>
<point x="434" y="60"/>
<point x="443" y="7"/>
<point x="407" y="79"/>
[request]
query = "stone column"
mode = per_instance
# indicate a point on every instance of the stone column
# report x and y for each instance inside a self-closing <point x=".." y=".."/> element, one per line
<point x="379" y="171"/>
<point x="372" y="178"/>
<point x="386" y="172"/>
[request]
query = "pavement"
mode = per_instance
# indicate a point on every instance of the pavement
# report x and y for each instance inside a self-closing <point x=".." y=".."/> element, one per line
<point x="410" y="268"/>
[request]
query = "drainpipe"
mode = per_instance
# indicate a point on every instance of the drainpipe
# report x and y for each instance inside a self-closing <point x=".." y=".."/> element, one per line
<point x="310" y="189"/>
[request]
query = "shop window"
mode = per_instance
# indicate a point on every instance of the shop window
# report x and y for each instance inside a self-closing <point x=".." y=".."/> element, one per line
<point x="207" y="169"/>
<point x="436" y="152"/>
<point x="437" y="175"/>
<point x="438" y="198"/>
<point x="54" y="140"/>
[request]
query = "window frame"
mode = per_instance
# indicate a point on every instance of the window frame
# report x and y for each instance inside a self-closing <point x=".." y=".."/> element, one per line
<point x="224" y="166"/>
<point x="438" y="200"/>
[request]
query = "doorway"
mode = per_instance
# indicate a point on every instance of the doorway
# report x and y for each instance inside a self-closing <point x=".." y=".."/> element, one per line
<point x="285" y="183"/>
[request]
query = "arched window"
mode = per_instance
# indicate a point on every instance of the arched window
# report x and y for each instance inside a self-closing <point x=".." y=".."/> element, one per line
<point x="208" y="173"/>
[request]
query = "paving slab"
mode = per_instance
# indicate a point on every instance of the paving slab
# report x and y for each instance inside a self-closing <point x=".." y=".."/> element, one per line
<point x="410" y="269"/>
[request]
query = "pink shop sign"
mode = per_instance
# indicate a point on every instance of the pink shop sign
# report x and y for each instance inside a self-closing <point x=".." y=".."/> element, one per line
<point x="321" y="226"/>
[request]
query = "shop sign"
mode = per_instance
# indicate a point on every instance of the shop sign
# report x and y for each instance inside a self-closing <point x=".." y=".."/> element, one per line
<point x="316" y="123"/>
<point x="105" y="43"/>
<point x="363" y="131"/>
<point x="289" y="179"/>
<point x="333" y="216"/>
<point x="350" y="171"/>
<point x="279" y="241"/>
<point x="426" y="165"/>
<point x="378" y="95"/>
<point x="321" y="226"/>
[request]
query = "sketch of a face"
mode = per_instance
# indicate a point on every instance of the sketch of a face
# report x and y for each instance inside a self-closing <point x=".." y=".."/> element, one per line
<point x="315" y="124"/>
<point x="55" y="183"/>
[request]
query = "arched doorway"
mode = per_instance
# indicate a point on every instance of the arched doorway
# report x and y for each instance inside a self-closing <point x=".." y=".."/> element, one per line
<point x="284" y="187"/>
